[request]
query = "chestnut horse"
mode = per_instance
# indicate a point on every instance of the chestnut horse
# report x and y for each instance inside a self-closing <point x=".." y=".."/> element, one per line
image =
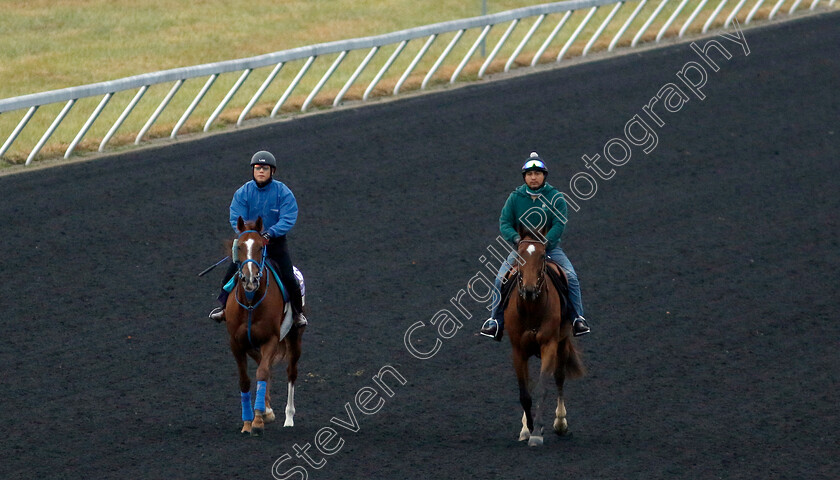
<point x="254" y="315"/>
<point x="539" y="323"/>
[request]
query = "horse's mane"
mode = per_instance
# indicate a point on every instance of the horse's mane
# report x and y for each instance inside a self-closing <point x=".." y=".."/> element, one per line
<point x="527" y="234"/>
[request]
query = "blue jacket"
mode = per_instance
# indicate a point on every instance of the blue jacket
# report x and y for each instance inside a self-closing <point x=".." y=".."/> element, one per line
<point x="275" y="203"/>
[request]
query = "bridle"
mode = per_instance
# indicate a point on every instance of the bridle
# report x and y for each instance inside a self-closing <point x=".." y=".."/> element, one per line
<point x="260" y="265"/>
<point x="250" y="295"/>
<point x="540" y="278"/>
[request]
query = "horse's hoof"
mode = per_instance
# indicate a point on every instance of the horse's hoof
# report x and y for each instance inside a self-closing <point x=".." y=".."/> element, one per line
<point x="289" y="423"/>
<point x="561" y="427"/>
<point x="256" y="432"/>
<point x="524" y="435"/>
<point x="269" y="416"/>
<point x="246" y="429"/>
<point x="535" y="441"/>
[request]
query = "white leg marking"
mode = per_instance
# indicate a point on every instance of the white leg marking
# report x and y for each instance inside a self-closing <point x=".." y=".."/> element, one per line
<point x="561" y="426"/>
<point x="290" y="407"/>
<point x="524" y="434"/>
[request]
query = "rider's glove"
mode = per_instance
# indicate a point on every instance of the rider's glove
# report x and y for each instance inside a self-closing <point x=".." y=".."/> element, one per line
<point x="266" y="236"/>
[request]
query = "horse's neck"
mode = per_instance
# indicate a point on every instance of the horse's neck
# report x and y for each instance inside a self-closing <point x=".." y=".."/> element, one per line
<point x="535" y="307"/>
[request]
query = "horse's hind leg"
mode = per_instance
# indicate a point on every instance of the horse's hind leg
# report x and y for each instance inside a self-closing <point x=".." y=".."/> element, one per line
<point x="525" y="433"/>
<point x="269" y="416"/>
<point x="548" y="368"/>
<point x="561" y="426"/>
<point x="294" y="350"/>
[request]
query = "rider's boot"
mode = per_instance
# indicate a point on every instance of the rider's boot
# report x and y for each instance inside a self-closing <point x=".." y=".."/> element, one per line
<point x="297" y="305"/>
<point x="579" y="326"/>
<point x="218" y="313"/>
<point x="493" y="328"/>
<point x="300" y="320"/>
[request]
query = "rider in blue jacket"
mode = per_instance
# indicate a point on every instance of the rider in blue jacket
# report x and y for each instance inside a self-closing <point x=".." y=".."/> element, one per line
<point x="274" y="202"/>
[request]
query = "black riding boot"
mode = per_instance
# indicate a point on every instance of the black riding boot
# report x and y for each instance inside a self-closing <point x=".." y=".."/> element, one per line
<point x="218" y="313"/>
<point x="296" y="299"/>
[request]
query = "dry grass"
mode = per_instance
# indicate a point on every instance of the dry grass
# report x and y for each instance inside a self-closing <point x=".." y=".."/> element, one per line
<point x="56" y="44"/>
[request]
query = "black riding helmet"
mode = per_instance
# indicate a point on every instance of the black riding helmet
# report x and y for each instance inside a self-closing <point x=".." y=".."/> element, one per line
<point x="534" y="162"/>
<point x="263" y="158"/>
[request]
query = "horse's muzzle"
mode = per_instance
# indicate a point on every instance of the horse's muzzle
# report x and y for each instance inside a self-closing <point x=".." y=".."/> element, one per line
<point x="251" y="284"/>
<point x="529" y="294"/>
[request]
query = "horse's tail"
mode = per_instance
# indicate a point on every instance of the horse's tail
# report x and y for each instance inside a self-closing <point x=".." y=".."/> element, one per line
<point x="574" y="362"/>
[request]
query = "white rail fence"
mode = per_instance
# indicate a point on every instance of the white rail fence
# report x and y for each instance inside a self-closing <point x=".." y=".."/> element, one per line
<point x="396" y="42"/>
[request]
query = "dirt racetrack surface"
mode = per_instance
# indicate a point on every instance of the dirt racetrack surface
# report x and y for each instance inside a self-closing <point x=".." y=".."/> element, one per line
<point x="709" y="269"/>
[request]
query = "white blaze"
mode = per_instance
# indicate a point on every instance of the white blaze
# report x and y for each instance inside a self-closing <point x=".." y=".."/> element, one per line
<point x="531" y="249"/>
<point x="248" y="245"/>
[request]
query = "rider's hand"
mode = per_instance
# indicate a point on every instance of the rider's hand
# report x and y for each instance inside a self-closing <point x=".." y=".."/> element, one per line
<point x="266" y="236"/>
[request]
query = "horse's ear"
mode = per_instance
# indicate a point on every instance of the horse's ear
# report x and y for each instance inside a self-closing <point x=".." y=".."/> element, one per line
<point x="240" y="224"/>
<point x="258" y="226"/>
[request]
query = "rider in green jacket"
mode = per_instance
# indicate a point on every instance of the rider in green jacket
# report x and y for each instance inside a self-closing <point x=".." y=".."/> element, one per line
<point x="536" y="204"/>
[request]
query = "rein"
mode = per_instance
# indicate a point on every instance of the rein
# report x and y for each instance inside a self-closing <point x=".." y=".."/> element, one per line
<point x="249" y="296"/>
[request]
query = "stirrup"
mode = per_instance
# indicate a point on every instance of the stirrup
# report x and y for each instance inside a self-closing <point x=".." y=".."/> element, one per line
<point x="218" y="314"/>
<point x="300" y="321"/>
<point x="492" y="329"/>
<point x="580" y="327"/>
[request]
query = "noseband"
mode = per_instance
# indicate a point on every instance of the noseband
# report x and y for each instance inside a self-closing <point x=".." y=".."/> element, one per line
<point x="540" y="278"/>
<point x="250" y="295"/>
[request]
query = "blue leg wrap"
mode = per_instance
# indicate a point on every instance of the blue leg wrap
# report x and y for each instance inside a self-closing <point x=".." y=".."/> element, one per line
<point x="247" y="410"/>
<point x="259" y="402"/>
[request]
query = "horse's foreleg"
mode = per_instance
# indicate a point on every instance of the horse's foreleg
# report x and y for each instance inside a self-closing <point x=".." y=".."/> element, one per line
<point x="520" y="365"/>
<point x="245" y="391"/>
<point x="267" y="352"/>
<point x="548" y="355"/>
<point x="292" y="373"/>
<point x="269" y="413"/>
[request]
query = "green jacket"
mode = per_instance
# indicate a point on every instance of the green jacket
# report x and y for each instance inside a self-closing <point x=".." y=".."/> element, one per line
<point x="543" y="207"/>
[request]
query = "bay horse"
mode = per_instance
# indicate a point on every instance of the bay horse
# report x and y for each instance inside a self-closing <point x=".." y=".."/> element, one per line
<point x="539" y="323"/>
<point x="254" y="314"/>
